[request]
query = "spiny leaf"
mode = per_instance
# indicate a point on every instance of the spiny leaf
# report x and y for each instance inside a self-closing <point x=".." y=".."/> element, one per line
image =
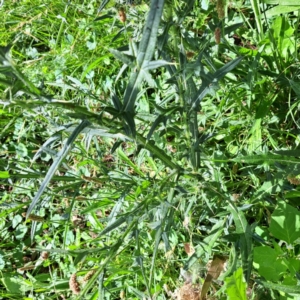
<point x="117" y="223"/>
<point x="6" y="61"/>
<point x="159" y="153"/>
<point x="125" y="58"/>
<point x="156" y="64"/>
<point x="103" y="4"/>
<point x="159" y="119"/>
<point x="145" y="53"/>
<point x="292" y="289"/>
<point x="243" y="229"/>
<point x="213" y="79"/>
<point x="267" y="158"/>
<point x="57" y="161"/>
<point x="116" y="101"/>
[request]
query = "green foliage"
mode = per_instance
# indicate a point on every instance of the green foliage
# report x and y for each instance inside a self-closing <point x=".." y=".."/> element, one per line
<point x="141" y="140"/>
<point x="236" y="286"/>
<point x="278" y="263"/>
<point x="285" y="223"/>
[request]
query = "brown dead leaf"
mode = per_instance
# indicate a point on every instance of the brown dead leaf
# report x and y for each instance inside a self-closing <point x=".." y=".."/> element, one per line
<point x="215" y="268"/>
<point x="189" y="249"/>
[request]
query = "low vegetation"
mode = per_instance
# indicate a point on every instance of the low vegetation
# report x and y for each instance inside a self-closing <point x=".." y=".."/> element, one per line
<point x="149" y="149"/>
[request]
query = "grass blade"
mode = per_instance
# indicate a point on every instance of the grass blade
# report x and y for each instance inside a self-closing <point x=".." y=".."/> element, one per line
<point x="256" y="9"/>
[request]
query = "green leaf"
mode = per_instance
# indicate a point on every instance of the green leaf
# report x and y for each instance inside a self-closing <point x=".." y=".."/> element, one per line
<point x="288" y="2"/>
<point x="213" y="79"/>
<point x="4" y="174"/>
<point x="267" y="188"/>
<point x="283" y="288"/>
<point x="285" y="223"/>
<point x="187" y="8"/>
<point x="281" y="9"/>
<point x="113" y="226"/>
<point x="158" y="120"/>
<point x="244" y="231"/>
<point x="292" y="194"/>
<point x="214" y="235"/>
<point x="124" y="157"/>
<point x="6" y="60"/>
<point x="103" y="17"/>
<point x="102" y="6"/>
<point x="148" y="42"/>
<point x="21" y="149"/>
<point x="156" y="64"/>
<point x="236" y="286"/>
<point x="116" y="101"/>
<point x="137" y="293"/>
<point x="295" y="85"/>
<point x="293" y="265"/>
<point x="267" y="158"/>
<point x="255" y="4"/>
<point x="129" y="128"/>
<point x="11" y="283"/>
<point x="57" y="161"/>
<point x="93" y="65"/>
<point x="159" y="153"/>
<point x="282" y="2"/>
<point x="281" y="28"/>
<point x="114" y="251"/>
<point x="268" y="263"/>
<point x="288" y="152"/>
<point x="205" y="248"/>
<point x="255" y="140"/>
<point x="144" y="55"/>
<point x="125" y="58"/>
